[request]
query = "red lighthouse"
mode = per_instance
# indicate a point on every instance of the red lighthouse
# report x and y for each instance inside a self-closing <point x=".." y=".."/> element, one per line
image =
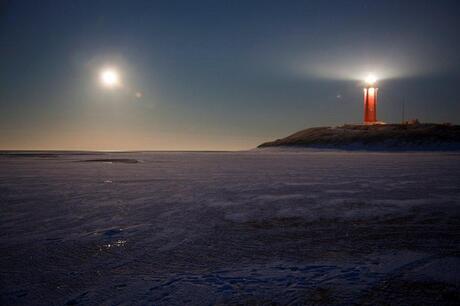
<point x="370" y="101"/>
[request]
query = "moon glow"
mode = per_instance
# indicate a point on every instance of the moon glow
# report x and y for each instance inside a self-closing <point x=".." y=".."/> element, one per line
<point x="110" y="78"/>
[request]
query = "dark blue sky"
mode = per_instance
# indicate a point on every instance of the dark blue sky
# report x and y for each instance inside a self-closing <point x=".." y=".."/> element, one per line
<point x="217" y="74"/>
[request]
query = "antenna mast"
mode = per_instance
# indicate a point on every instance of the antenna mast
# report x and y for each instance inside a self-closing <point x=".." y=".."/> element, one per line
<point x="403" y="110"/>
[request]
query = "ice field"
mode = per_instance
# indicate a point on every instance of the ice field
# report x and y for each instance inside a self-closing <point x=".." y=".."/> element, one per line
<point x="207" y="228"/>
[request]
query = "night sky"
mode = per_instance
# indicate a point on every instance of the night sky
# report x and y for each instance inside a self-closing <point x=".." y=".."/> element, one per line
<point x="217" y="75"/>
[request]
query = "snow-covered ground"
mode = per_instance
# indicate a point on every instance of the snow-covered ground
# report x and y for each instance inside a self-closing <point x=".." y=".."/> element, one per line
<point x="301" y="227"/>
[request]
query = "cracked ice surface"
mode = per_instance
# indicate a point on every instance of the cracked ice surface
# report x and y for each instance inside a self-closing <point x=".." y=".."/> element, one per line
<point x="167" y="228"/>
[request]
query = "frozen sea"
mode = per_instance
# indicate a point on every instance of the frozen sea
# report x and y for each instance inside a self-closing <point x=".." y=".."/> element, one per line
<point x="217" y="228"/>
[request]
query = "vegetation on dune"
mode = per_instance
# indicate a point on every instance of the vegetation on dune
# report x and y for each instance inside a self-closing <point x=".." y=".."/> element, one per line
<point x="418" y="136"/>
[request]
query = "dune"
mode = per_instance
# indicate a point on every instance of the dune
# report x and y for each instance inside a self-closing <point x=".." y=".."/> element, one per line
<point x="430" y="137"/>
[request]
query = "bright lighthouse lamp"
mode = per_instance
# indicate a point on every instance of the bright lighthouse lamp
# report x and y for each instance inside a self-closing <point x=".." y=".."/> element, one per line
<point x="370" y="79"/>
<point x="109" y="78"/>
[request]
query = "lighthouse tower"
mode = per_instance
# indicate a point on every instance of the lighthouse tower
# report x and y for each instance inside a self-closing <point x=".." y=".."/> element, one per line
<point x="370" y="101"/>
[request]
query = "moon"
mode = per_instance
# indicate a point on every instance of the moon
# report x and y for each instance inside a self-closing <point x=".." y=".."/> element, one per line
<point x="110" y="77"/>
